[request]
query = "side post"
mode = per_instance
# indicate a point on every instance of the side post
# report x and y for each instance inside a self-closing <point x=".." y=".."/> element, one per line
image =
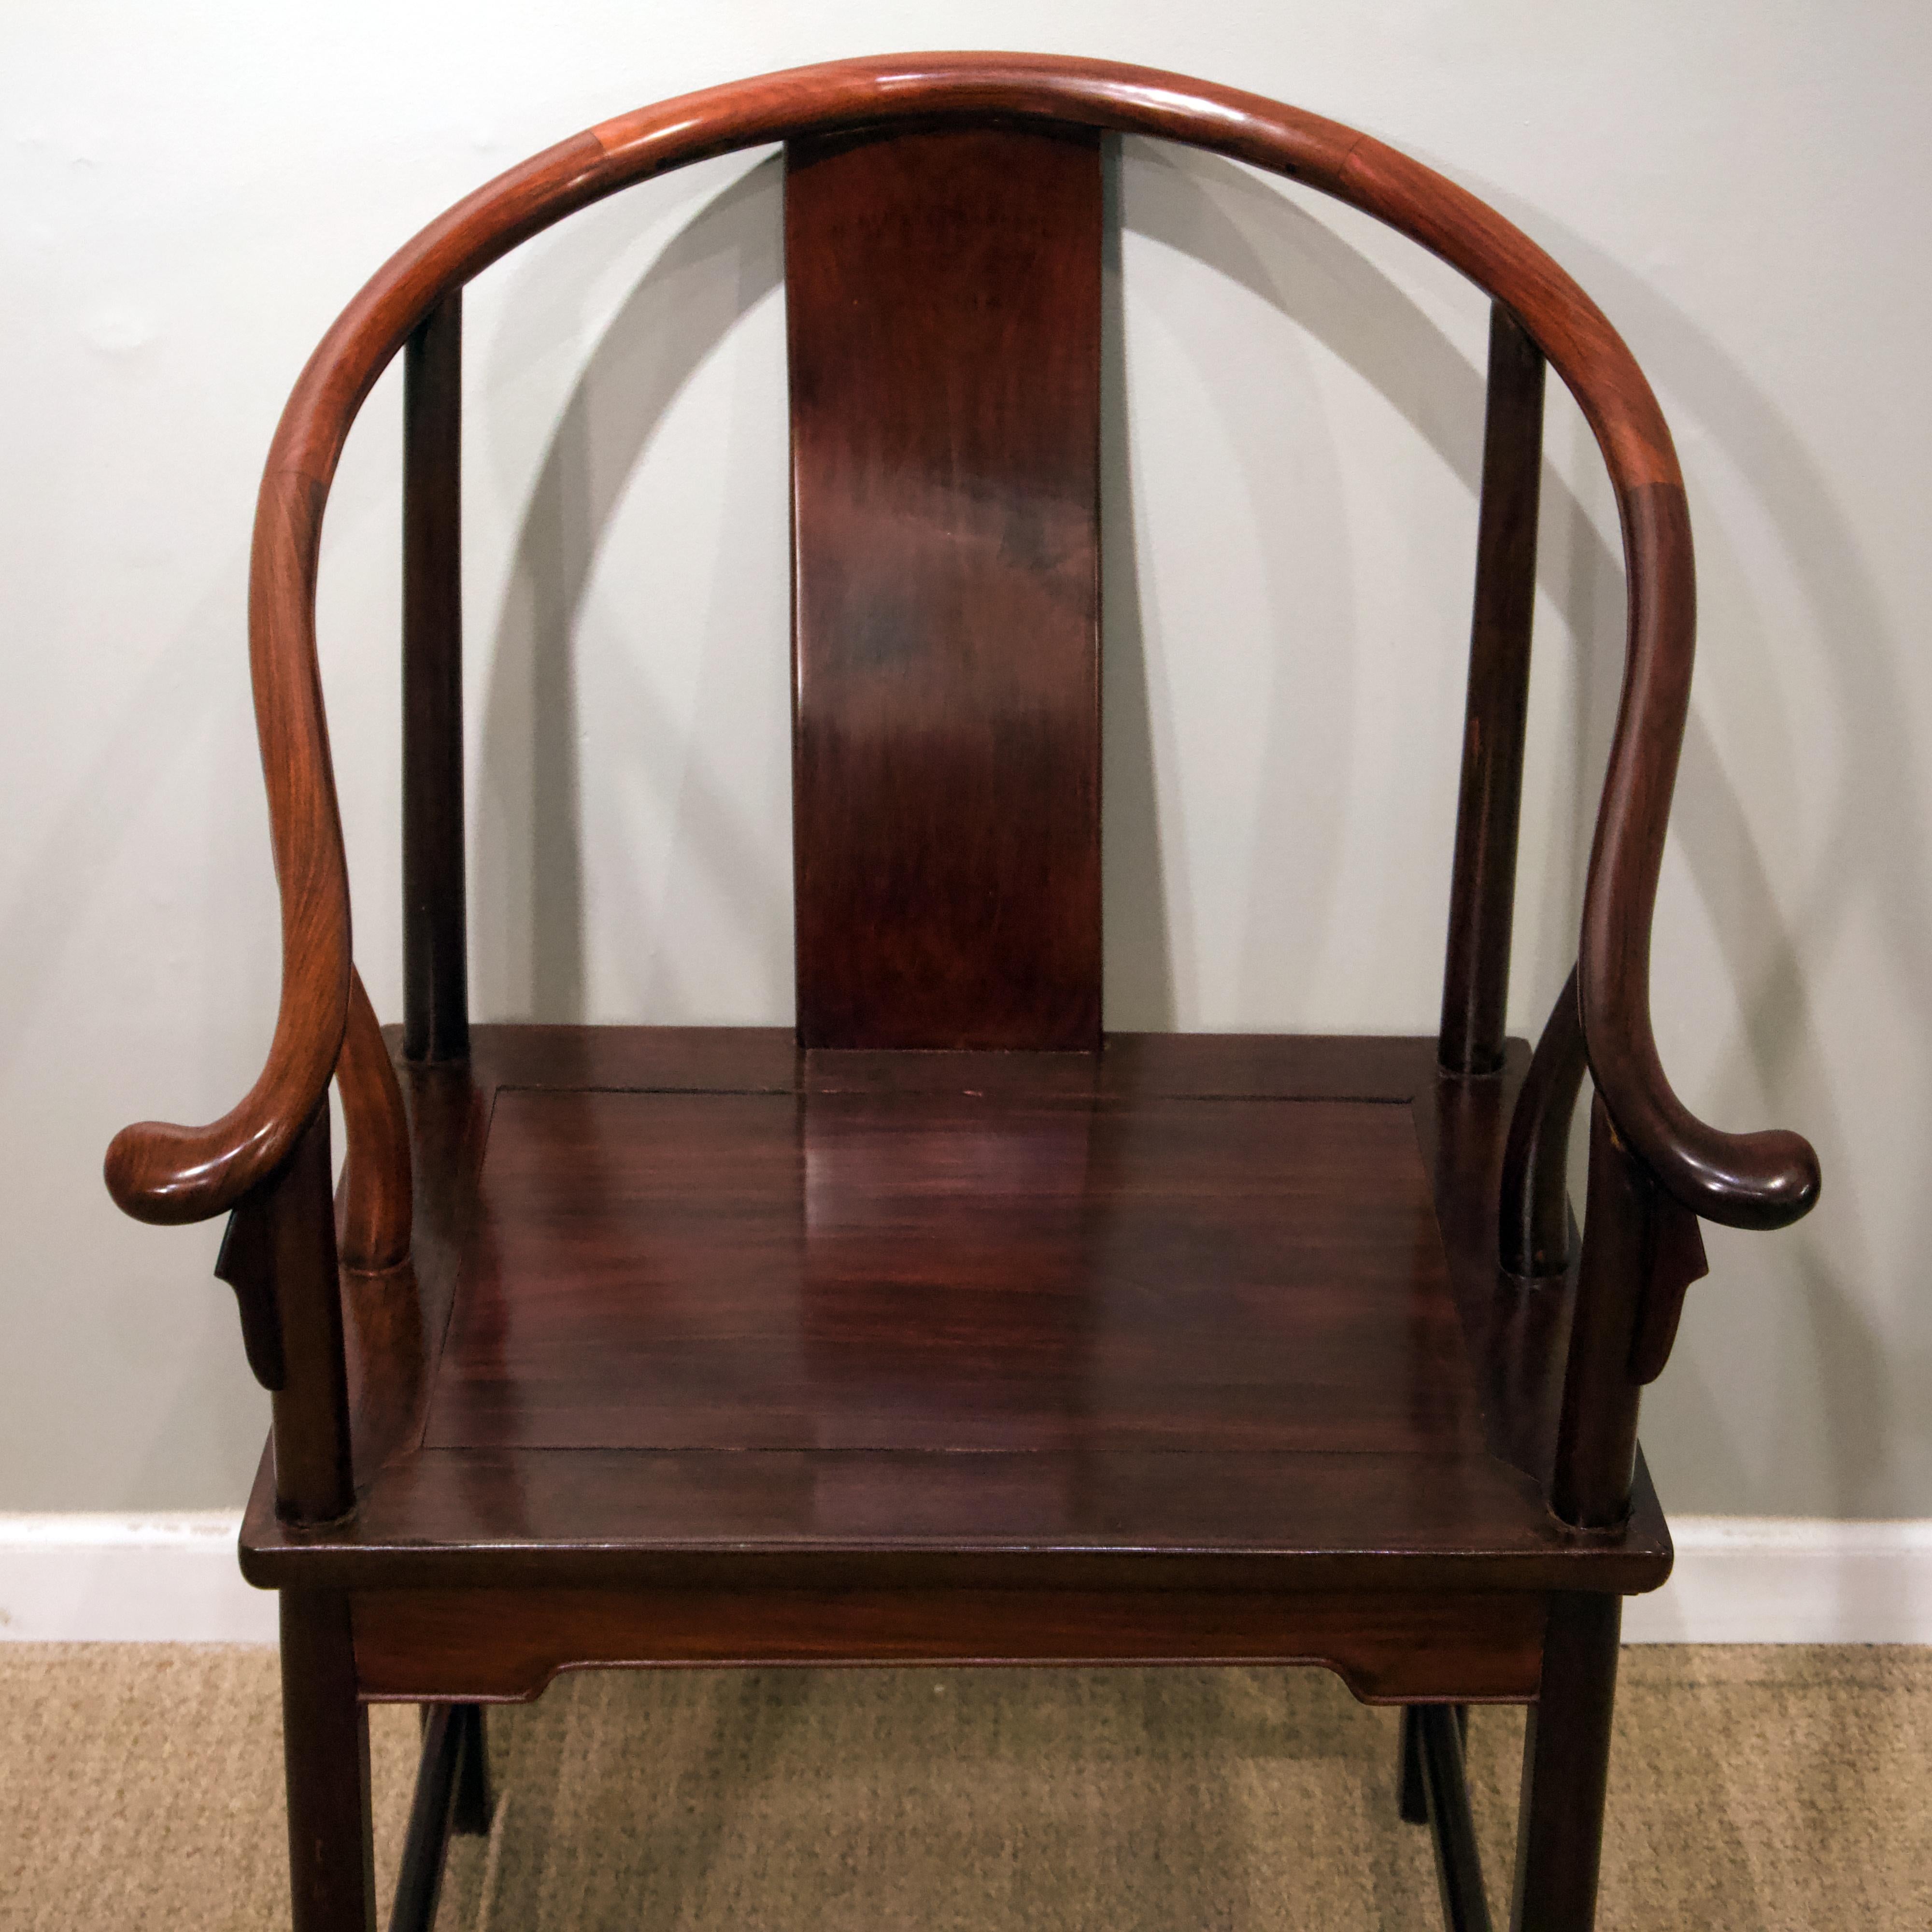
<point x="313" y="1478"/>
<point x="325" y="1727"/>
<point x="1475" y="979"/>
<point x="1596" y="1439"/>
<point x="436" y="1021"/>
<point x="1566" y="1746"/>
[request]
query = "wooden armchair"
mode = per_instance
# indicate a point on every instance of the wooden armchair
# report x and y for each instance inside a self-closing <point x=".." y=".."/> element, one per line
<point x="948" y="1329"/>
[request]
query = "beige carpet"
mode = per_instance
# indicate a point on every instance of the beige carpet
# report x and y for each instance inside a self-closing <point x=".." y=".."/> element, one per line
<point x="1751" y="1788"/>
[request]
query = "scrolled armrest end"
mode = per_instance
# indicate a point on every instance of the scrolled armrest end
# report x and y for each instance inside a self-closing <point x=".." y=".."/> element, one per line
<point x="1761" y="1180"/>
<point x="170" y="1176"/>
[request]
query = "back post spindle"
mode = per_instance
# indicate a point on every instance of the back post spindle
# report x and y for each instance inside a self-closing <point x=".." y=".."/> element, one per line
<point x="1476" y="972"/>
<point x="436" y="1019"/>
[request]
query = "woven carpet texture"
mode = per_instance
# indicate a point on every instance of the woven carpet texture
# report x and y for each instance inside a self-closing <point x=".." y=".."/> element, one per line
<point x="1750" y="1788"/>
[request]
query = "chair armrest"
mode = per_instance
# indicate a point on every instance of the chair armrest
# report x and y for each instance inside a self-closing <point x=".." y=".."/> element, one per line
<point x="171" y="1174"/>
<point x="165" y="1173"/>
<point x="1764" y="1180"/>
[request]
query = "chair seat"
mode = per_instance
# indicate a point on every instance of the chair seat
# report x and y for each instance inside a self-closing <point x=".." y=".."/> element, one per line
<point x="701" y="1309"/>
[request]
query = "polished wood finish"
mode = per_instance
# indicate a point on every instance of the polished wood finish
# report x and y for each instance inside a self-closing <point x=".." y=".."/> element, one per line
<point x="716" y="1272"/>
<point x="1482" y="892"/>
<point x="1535" y="1208"/>
<point x="381" y="1315"/>
<point x="1566" y="1761"/>
<point x="680" y="1346"/>
<point x="412" y="1645"/>
<point x="1438" y="1733"/>
<point x="313" y="1480"/>
<point x="889" y="1519"/>
<point x="1676" y="1259"/>
<point x="1596" y="1447"/>
<point x="942" y="304"/>
<point x="1625" y="1266"/>
<point x="1518" y="1330"/>
<point x="246" y="1262"/>
<point x="435" y="982"/>
<point x="734" y="1271"/>
<point x="325" y="1741"/>
<point x="1759" y="1180"/>
<point x="374" y="1203"/>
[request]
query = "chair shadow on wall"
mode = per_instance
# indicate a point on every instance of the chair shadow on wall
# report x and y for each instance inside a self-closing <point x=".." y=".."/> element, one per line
<point x="728" y="258"/>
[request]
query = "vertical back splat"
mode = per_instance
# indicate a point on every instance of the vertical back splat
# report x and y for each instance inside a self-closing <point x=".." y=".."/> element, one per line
<point x="944" y="293"/>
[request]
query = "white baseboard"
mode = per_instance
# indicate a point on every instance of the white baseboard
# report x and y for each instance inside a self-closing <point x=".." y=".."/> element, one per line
<point x="166" y="1578"/>
<point x="1790" y="1579"/>
<point x="171" y="1578"/>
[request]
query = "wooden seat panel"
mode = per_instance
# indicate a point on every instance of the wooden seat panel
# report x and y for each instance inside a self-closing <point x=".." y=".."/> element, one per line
<point x="1196" y="1309"/>
<point x="953" y="1271"/>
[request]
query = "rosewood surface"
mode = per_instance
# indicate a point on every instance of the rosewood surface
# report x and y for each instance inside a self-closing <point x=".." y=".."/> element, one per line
<point x="436" y="990"/>
<point x="507" y="1645"/>
<point x="1535" y="1229"/>
<point x="943" y="306"/>
<point x="325" y="1745"/>
<point x="1482" y="894"/>
<point x="310" y="1407"/>
<point x="952" y="1272"/>
<point x="1566" y="1767"/>
<point x="1209" y="1327"/>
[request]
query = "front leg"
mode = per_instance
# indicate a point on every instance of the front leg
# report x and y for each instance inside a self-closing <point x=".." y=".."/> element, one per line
<point x="326" y="1745"/>
<point x="1566" y="1762"/>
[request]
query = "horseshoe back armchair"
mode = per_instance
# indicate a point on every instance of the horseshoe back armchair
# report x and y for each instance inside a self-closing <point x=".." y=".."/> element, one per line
<point x="945" y="1327"/>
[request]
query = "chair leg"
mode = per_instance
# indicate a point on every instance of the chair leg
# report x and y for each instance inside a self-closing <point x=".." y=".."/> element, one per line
<point x="432" y="1818"/>
<point x="1566" y="1760"/>
<point x="1442" y="1732"/>
<point x="473" y="1804"/>
<point x="325" y="1745"/>
<point x="1415" y="1799"/>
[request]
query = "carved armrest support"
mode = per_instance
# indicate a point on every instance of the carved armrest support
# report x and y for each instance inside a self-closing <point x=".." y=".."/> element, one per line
<point x="372" y="1205"/>
<point x="1642" y="1250"/>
